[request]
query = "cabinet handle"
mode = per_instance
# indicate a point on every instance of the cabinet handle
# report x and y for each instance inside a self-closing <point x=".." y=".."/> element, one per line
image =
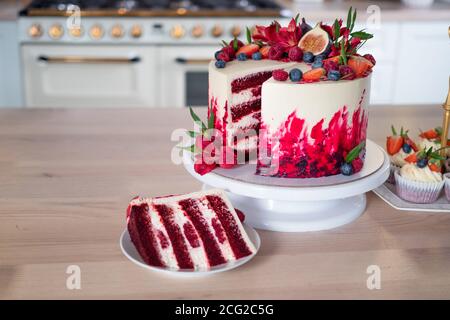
<point x="192" y="61"/>
<point x="79" y="59"/>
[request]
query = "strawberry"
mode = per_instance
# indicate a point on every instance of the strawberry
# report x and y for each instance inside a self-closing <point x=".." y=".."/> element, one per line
<point x="334" y="59"/>
<point x="412" y="158"/>
<point x="265" y="51"/>
<point x="229" y="51"/>
<point x="248" y="49"/>
<point x="314" y="74"/>
<point x="434" y="167"/>
<point x="359" y="65"/>
<point x="395" y="142"/>
<point x="430" y="134"/>
<point x="411" y="143"/>
<point x="224" y="56"/>
<point x="236" y="44"/>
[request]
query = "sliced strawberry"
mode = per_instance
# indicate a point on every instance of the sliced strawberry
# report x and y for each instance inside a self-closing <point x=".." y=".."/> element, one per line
<point x="394" y="144"/>
<point x="411" y="143"/>
<point x="412" y="158"/>
<point x="314" y="74"/>
<point x="334" y="59"/>
<point x="434" y="167"/>
<point x="248" y="49"/>
<point x="430" y="134"/>
<point x="359" y="65"/>
<point x="265" y="52"/>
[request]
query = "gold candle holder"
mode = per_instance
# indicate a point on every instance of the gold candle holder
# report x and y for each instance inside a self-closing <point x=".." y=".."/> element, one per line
<point x="445" y="125"/>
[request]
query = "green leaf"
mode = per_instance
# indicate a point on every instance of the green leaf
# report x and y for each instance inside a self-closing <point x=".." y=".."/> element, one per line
<point x="354" y="153"/>
<point x="191" y="133"/>
<point x="362" y="35"/>
<point x="224" y="44"/>
<point x="337" y="30"/>
<point x="235" y="44"/>
<point x="436" y="156"/>
<point x="343" y="52"/>
<point x="353" y="20"/>
<point x="394" y="132"/>
<point x="438" y="130"/>
<point x="296" y="18"/>
<point x="191" y="148"/>
<point x="349" y="18"/>
<point x="249" y="36"/>
<point x="211" y="120"/>
<point x="197" y="119"/>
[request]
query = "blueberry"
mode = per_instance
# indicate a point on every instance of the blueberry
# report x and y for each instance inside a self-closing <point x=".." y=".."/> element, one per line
<point x="308" y="57"/>
<point x="217" y="54"/>
<point x="422" y="163"/>
<point x="241" y="56"/>
<point x="317" y="64"/>
<point x="257" y="56"/>
<point x="346" y="169"/>
<point x="220" y="64"/>
<point x="295" y="75"/>
<point x="406" y="148"/>
<point x="334" y="75"/>
<point x="318" y="58"/>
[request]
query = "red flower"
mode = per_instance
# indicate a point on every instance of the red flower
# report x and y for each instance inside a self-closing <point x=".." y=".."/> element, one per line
<point x="285" y="37"/>
<point x="354" y="41"/>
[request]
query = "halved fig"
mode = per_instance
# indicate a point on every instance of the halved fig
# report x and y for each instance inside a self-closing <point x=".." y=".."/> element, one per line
<point x="315" y="41"/>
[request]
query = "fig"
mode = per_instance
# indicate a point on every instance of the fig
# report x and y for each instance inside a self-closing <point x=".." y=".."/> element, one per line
<point x="304" y="26"/>
<point x="315" y="41"/>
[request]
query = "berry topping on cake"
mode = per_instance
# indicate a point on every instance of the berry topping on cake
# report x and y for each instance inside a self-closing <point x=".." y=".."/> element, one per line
<point x="395" y="142"/>
<point x="406" y="148"/>
<point x="242" y="56"/>
<point x="220" y="64"/>
<point x="276" y="52"/>
<point x="314" y="74"/>
<point x="315" y="41"/>
<point x="359" y="65"/>
<point x="370" y="58"/>
<point x="265" y="52"/>
<point x="295" y="54"/>
<point x="295" y="75"/>
<point x="248" y="49"/>
<point x="346" y="169"/>
<point x="257" y="56"/>
<point x="352" y="162"/>
<point x="334" y="75"/>
<point x="346" y="73"/>
<point x="308" y="57"/>
<point x="280" y="75"/>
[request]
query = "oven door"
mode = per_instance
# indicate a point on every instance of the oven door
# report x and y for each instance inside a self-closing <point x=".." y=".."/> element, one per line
<point x="89" y="76"/>
<point x="184" y="75"/>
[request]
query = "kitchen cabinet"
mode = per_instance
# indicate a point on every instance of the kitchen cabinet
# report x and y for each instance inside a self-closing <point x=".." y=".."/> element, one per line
<point x="10" y="75"/>
<point x="423" y="64"/>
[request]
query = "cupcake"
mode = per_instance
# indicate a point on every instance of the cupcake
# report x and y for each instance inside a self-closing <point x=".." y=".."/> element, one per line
<point x="420" y="181"/>
<point x="447" y="185"/>
<point x="399" y="147"/>
<point x="431" y="139"/>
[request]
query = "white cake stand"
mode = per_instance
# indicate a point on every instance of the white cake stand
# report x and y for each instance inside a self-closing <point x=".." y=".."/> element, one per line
<point x="296" y="205"/>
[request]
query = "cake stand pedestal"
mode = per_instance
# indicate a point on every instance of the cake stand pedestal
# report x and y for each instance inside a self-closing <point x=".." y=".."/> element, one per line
<point x="297" y="205"/>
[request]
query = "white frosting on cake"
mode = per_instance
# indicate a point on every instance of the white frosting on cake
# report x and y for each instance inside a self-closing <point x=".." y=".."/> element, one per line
<point x="311" y="101"/>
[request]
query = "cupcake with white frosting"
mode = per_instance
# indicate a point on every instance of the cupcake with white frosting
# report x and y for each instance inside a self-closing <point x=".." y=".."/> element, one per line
<point x="420" y="181"/>
<point x="399" y="147"/>
<point x="447" y="185"/>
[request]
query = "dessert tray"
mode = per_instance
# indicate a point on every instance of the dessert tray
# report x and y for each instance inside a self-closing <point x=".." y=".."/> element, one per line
<point x="295" y="205"/>
<point x="388" y="194"/>
<point x="131" y="253"/>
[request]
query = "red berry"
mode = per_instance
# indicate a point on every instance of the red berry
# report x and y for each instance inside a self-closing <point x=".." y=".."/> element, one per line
<point x="346" y="72"/>
<point x="357" y="165"/>
<point x="280" y="75"/>
<point x="370" y="58"/>
<point x="229" y="51"/>
<point x="276" y="52"/>
<point x="202" y="168"/>
<point x="330" y="65"/>
<point x="239" y="44"/>
<point x="224" y="56"/>
<point x="295" y="54"/>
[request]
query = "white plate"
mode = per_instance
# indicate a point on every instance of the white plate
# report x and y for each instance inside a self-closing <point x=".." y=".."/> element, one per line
<point x="131" y="253"/>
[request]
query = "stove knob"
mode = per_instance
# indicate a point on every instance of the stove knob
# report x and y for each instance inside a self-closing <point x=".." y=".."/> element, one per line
<point x="35" y="31"/>
<point x="197" y="31"/>
<point x="96" y="32"/>
<point x="76" y="32"/>
<point x="177" y="32"/>
<point x="217" y="31"/>
<point x="136" y="31"/>
<point x="236" y="31"/>
<point x="117" y="31"/>
<point x="56" y="31"/>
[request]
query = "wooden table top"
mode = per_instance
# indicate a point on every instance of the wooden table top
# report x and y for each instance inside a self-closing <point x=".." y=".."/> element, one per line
<point x="67" y="175"/>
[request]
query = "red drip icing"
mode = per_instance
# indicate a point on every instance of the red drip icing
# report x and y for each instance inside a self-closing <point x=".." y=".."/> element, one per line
<point x="212" y="249"/>
<point x="220" y="233"/>
<point x="191" y="235"/>
<point x="229" y="224"/>
<point x="250" y="81"/>
<point x="176" y="237"/>
<point x="142" y="236"/>
<point x="317" y="155"/>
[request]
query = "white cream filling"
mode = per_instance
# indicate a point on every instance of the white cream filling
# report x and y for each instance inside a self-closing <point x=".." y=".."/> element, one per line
<point x="244" y="96"/>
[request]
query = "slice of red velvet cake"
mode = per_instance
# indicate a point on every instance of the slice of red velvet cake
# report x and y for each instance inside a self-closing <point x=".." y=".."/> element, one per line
<point x="193" y="231"/>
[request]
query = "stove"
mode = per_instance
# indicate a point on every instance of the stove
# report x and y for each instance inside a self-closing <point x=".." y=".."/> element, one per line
<point x="154" y="8"/>
<point x="137" y="53"/>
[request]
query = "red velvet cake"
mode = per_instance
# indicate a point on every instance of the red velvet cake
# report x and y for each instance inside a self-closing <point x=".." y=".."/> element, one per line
<point x="193" y="231"/>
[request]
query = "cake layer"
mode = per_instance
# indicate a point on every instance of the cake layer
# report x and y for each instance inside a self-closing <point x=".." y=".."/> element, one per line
<point x="308" y="129"/>
<point x="193" y="231"/>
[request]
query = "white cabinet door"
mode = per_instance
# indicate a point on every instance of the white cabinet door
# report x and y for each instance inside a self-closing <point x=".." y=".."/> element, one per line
<point x="423" y="64"/>
<point x="10" y="80"/>
<point x="89" y="76"/>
